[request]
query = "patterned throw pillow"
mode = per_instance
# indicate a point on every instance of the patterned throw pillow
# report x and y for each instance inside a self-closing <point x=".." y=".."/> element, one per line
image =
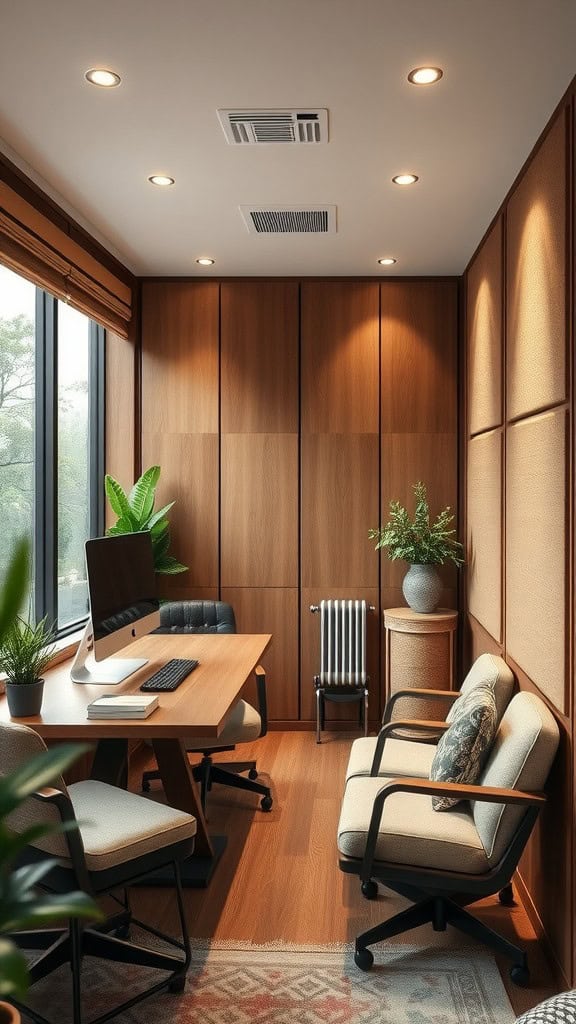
<point x="558" y="1010"/>
<point x="464" y="747"/>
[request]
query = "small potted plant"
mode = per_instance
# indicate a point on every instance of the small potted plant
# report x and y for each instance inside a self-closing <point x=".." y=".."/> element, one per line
<point x="25" y="652"/>
<point x="422" y="544"/>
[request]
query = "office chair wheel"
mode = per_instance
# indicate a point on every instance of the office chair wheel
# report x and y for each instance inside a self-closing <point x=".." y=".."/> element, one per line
<point x="506" y="896"/>
<point x="177" y="985"/>
<point x="363" y="959"/>
<point x="266" y="803"/>
<point x="520" y="975"/>
<point x="252" y="774"/>
<point x="369" y="890"/>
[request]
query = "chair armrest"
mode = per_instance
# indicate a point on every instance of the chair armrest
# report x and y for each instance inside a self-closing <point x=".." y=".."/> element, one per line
<point x="262" y="702"/>
<point x="487" y="794"/>
<point x="387" y="731"/>
<point x="418" y="693"/>
<point x="69" y="827"/>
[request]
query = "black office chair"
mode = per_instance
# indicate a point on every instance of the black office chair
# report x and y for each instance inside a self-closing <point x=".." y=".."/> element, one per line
<point x="244" y="723"/>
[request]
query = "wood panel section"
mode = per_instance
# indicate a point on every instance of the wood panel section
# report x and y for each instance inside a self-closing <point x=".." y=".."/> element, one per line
<point x="275" y="611"/>
<point x="259" y="370"/>
<point x="339" y="503"/>
<point x="340" y="338"/>
<point x="537" y="281"/>
<point x="259" y="510"/>
<point x="485" y="350"/>
<point x="419" y="371"/>
<point x="484" y="531"/>
<point x="120" y="457"/>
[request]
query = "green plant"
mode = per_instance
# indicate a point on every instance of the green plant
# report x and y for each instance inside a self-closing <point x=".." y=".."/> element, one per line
<point x="136" y="513"/>
<point x="25" y="650"/>
<point x="417" y="540"/>
<point x="14" y="586"/>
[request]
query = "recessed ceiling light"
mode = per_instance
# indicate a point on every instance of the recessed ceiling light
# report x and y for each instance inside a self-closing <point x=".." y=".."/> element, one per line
<point x="387" y="261"/>
<point x="205" y="261"/>
<point x="425" y="76"/>
<point x="102" y="77"/>
<point x="405" y="179"/>
<point x="163" y="180"/>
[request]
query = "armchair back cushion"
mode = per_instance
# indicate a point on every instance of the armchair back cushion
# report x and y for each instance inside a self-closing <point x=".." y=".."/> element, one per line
<point x="520" y="758"/>
<point x="487" y="670"/>
<point x="19" y="744"/>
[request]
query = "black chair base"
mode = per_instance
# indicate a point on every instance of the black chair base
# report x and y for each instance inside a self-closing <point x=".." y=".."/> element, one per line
<point x="225" y="774"/>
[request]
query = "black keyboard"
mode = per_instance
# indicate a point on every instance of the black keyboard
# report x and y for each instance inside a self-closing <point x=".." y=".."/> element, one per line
<point x="170" y="675"/>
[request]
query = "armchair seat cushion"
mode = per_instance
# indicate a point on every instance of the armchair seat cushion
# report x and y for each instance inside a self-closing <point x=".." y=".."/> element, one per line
<point x="400" y="757"/>
<point x="410" y="831"/>
<point x="242" y="726"/>
<point x="117" y="826"/>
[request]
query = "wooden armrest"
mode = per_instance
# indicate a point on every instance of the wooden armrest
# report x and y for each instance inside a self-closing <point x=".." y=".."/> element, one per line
<point x="418" y="693"/>
<point x="262" y="701"/>
<point x="387" y="732"/>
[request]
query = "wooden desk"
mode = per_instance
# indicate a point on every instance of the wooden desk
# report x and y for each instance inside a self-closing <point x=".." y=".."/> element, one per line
<point x="198" y="707"/>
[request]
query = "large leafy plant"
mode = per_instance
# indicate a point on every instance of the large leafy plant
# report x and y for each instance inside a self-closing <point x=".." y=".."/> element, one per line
<point x="21" y="906"/>
<point x="417" y="540"/>
<point x="136" y="513"/>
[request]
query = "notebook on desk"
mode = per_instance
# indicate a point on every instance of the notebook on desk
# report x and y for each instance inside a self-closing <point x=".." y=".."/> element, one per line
<point x="128" y="706"/>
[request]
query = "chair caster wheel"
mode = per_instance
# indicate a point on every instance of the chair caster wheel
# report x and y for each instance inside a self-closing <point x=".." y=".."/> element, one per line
<point x="369" y="890"/>
<point x="266" y="803"/>
<point x="506" y="896"/>
<point x="363" y="959"/>
<point x="177" y="985"/>
<point x="252" y="774"/>
<point x="520" y="975"/>
<point x="123" y="932"/>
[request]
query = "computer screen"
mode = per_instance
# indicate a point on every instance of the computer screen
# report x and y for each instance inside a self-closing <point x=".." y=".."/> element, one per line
<point x="124" y="605"/>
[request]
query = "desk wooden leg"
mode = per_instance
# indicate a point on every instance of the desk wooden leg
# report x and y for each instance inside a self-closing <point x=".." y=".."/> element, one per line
<point x="181" y="789"/>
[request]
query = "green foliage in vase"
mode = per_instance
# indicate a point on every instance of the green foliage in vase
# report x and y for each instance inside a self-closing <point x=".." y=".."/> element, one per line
<point x="417" y="540"/>
<point x="25" y="650"/>
<point x="136" y="513"/>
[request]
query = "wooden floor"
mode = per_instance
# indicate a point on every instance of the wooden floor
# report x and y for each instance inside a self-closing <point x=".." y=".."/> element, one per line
<point x="279" y="879"/>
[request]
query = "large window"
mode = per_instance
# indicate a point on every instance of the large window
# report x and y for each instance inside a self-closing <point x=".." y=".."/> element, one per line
<point x="51" y="443"/>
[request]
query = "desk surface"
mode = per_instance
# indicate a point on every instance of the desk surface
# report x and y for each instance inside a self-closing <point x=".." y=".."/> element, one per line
<point x="197" y="708"/>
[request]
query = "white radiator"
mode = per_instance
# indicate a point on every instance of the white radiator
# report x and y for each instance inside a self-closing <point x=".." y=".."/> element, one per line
<point x="342" y="643"/>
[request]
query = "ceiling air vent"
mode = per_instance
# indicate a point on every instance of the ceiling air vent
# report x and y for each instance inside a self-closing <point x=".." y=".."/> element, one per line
<point x="257" y="127"/>
<point x="283" y="220"/>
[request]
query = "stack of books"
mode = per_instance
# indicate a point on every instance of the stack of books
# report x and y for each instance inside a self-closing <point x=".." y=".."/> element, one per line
<point x="124" y="706"/>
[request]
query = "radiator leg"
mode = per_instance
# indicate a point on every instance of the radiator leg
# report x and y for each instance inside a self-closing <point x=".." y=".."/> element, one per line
<point x="318" y="713"/>
<point x="365" y="712"/>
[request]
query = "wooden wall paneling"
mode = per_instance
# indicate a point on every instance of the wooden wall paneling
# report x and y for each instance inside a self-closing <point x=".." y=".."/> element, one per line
<point x="310" y="654"/>
<point x="419" y="366"/>
<point x="259" y="357"/>
<point x="537" y="282"/>
<point x="340" y="337"/>
<point x="272" y="610"/>
<point x="259" y="510"/>
<point x="536" y="551"/>
<point x="484" y="329"/>
<point x="484" y="531"/>
<point x="339" y="504"/>
<point x="120" y="412"/>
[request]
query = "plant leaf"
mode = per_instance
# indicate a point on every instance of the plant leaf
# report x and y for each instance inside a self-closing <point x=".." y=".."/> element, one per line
<point x="14" y="976"/>
<point x="141" y="497"/>
<point x="170" y="566"/>
<point x="27" y="914"/>
<point x="153" y="520"/>
<point x="14" y="587"/>
<point x="117" y="498"/>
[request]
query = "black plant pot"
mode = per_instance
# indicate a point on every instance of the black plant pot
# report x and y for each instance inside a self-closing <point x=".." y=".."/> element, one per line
<point x="24" y="699"/>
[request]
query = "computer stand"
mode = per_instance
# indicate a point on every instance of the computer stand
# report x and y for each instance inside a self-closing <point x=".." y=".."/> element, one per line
<point x="106" y="673"/>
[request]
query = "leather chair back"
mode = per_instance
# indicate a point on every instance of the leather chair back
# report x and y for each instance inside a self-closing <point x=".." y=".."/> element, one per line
<point x="196" y="617"/>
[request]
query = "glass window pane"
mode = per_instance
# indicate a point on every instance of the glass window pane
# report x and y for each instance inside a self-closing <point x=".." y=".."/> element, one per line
<point x="17" y="405"/>
<point x="73" y="463"/>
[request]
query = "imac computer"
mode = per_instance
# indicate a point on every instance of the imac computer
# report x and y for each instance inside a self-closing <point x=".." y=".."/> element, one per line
<point x="123" y="606"/>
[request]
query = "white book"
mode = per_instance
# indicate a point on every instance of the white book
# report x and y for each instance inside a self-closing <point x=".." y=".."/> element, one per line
<point x="128" y="706"/>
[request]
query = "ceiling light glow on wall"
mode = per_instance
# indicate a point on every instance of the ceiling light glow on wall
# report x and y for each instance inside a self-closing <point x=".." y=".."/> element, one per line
<point x="387" y="261"/>
<point x="103" y="77"/>
<point x="162" y="180"/>
<point x="405" y="179"/>
<point x="425" y="76"/>
<point x="205" y="261"/>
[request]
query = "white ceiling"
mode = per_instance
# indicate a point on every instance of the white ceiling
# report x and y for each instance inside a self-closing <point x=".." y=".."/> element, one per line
<point x="506" y="65"/>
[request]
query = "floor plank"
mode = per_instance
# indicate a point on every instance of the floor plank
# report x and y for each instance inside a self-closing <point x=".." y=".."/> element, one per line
<point x="279" y="878"/>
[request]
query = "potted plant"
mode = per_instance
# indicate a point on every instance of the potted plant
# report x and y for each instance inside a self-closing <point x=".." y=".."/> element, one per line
<point x="136" y="513"/>
<point x="25" y="652"/>
<point x="422" y="544"/>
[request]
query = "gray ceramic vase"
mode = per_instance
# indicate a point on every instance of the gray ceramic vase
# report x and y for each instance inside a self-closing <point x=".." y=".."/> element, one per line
<point x="24" y="699"/>
<point x="422" y="587"/>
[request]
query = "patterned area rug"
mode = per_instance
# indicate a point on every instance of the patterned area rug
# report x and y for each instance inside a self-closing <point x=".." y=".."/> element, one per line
<point x="242" y="984"/>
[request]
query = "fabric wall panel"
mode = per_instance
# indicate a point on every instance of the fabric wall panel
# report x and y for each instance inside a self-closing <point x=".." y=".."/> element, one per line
<point x="484" y="531"/>
<point x="484" y="319"/>
<point x="537" y="551"/>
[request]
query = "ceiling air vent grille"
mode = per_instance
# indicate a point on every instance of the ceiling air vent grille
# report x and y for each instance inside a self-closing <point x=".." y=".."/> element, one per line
<point x="257" y="127"/>
<point x="282" y="220"/>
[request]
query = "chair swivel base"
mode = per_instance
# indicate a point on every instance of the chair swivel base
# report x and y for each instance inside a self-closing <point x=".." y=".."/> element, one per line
<point x="440" y="911"/>
<point x="226" y="774"/>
